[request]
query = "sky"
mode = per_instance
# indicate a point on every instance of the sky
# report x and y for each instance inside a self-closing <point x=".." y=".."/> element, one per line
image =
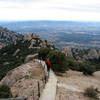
<point x="73" y="10"/>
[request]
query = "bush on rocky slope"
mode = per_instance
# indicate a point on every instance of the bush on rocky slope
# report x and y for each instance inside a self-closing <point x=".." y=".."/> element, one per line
<point x="86" y="68"/>
<point x="61" y="63"/>
<point x="43" y="52"/>
<point x="58" y="60"/>
<point x="5" y="91"/>
<point x="10" y="59"/>
<point x="92" y="93"/>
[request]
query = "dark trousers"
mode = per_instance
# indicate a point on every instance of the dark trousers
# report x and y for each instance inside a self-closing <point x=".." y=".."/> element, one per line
<point x="48" y="68"/>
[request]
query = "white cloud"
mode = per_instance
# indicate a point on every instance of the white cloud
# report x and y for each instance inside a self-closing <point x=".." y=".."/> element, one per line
<point x="81" y="10"/>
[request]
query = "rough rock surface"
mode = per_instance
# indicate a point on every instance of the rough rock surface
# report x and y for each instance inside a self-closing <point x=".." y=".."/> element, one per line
<point x="36" y="42"/>
<point x="31" y="57"/>
<point x="72" y="85"/>
<point x="24" y="79"/>
<point x="15" y="53"/>
<point x="29" y="36"/>
<point x="67" y="51"/>
<point x="8" y="37"/>
<point x="82" y="54"/>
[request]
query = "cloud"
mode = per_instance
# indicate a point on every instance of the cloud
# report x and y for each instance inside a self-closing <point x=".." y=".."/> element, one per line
<point x="78" y="9"/>
<point x="84" y="10"/>
<point x="20" y="0"/>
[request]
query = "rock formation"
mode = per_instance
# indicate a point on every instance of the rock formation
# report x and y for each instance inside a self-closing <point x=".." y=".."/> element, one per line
<point x="36" y="42"/>
<point x="8" y="37"/>
<point x="82" y="54"/>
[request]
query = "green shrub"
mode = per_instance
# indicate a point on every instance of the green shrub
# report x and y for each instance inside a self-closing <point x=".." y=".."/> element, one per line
<point x="5" y="91"/>
<point x="6" y="55"/>
<point x="58" y="60"/>
<point x="72" y="64"/>
<point x="97" y="67"/>
<point x="43" y="52"/>
<point x="87" y="69"/>
<point x="92" y="93"/>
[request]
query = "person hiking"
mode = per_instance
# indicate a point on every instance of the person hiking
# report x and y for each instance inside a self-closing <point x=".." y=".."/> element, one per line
<point x="48" y="63"/>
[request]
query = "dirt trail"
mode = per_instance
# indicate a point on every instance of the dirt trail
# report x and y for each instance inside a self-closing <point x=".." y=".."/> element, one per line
<point x="73" y="88"/>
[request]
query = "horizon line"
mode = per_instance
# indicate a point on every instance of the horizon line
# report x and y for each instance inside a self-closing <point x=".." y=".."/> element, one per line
<point x="46" y="20"/>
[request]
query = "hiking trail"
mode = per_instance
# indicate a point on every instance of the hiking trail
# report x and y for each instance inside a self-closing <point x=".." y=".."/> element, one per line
<point x="49" y="92"/>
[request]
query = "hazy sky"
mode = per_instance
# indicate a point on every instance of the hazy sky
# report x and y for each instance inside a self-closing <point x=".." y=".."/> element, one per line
<point x="77" y="10"/>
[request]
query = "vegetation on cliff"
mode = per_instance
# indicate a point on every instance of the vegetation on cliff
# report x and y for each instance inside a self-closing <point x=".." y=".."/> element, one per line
<point x="92" y="93"/>
<point x="15" y="54"/>
<point x="5" y="91"/>
<point x="9" y="60"/>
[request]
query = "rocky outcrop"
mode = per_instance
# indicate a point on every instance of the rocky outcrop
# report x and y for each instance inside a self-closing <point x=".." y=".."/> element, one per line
<point x="82" y="54"/>
<point x="20" y="72"/>
<point x="15" y="53"/>
<point x="67" y="51"/>
<point x="29" y="36"/>
<point x="21" y="52"/>
<point x="8" y="37"/>
<point x="93" y="53"/>
<point x="24" y="80"/>
<point x="36" y="42"/>
<point x="31" y="57"/>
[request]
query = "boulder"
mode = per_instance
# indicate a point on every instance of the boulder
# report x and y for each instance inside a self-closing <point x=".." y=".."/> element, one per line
<point x="30" y="57"/>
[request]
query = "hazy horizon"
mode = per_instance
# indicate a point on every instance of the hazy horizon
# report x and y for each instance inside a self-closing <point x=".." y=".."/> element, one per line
<point x="52" y="20"/>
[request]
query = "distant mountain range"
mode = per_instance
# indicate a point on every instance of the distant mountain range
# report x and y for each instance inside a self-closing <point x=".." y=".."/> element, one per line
<point x="62" y="33"/>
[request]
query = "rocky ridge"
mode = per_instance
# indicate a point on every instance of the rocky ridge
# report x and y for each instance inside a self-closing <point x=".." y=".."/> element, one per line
<point x="21" y="52"/>
<point x="36" y="42"/>
<point x="23" y="80"/>
<point x="82" y="54"/>
<point x="8" y="37"/>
